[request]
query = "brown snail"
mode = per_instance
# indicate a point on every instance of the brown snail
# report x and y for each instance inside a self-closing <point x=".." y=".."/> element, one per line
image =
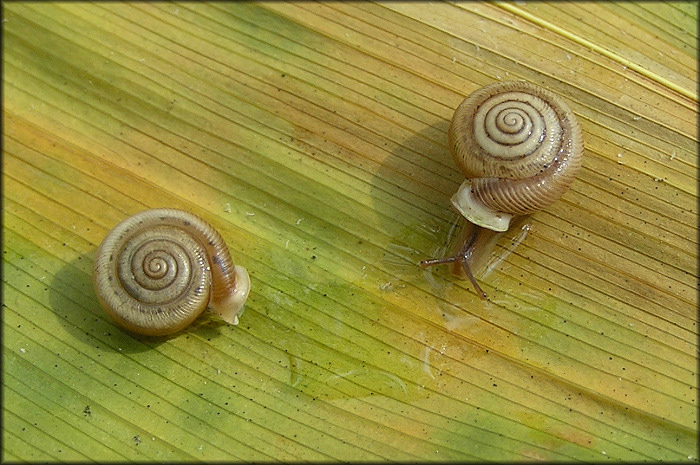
<point x="158" y="270"/>
<point x="519" y="147"/>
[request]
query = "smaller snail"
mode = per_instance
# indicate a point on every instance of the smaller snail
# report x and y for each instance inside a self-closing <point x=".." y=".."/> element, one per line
<point x="158" y="270"/>
<point x="519" y="147"/>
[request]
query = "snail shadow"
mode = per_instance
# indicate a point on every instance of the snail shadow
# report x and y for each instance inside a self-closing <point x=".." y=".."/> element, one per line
<point x="420" y="176"/>
<point x="417" y="179"/>
<point x="78" y="312"/>
<point x="411" y="194"/>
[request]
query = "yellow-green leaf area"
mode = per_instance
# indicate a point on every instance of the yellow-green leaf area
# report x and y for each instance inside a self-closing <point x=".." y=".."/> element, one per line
<point x="313" y="137"/>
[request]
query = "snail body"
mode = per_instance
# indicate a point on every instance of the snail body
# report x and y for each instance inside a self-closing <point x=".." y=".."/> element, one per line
<point x="519" y="147"/>
<point x="158" y="270"/>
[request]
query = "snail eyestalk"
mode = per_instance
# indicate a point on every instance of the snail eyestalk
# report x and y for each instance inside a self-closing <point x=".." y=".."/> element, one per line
<point x="462" y="257"/>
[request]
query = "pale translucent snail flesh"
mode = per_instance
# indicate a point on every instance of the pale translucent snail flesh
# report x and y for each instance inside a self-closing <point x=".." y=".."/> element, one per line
<point x="158" y="270"/>
<point x="519" y="147"/>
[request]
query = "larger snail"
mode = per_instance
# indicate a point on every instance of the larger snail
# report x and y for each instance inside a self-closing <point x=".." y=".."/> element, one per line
<point x="158" y="270"/>
<point x="519" y="147"/>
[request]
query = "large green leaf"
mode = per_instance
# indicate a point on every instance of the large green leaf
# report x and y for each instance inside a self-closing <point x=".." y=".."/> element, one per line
<point x="313" y="137"/>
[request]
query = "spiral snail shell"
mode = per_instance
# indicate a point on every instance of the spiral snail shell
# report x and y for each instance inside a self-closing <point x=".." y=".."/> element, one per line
<point x="157" y="271"/>
<point x="519" y="147"/>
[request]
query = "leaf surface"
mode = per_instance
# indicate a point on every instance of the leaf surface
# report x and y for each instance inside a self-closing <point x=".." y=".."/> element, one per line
<point x="313" y="137"/>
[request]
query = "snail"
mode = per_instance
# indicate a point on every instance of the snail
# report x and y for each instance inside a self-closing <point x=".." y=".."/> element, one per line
<point x="158" y="270"/>
<point x="519" y="147"/>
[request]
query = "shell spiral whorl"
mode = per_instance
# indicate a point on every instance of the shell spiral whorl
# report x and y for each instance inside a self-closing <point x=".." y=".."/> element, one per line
<point x="519" y="147"/>
<point x="157" y="271"/>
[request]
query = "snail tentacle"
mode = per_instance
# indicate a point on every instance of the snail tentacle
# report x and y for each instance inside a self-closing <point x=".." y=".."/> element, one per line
<point x="462" y="257"/>
<point x="157" y="271"/>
